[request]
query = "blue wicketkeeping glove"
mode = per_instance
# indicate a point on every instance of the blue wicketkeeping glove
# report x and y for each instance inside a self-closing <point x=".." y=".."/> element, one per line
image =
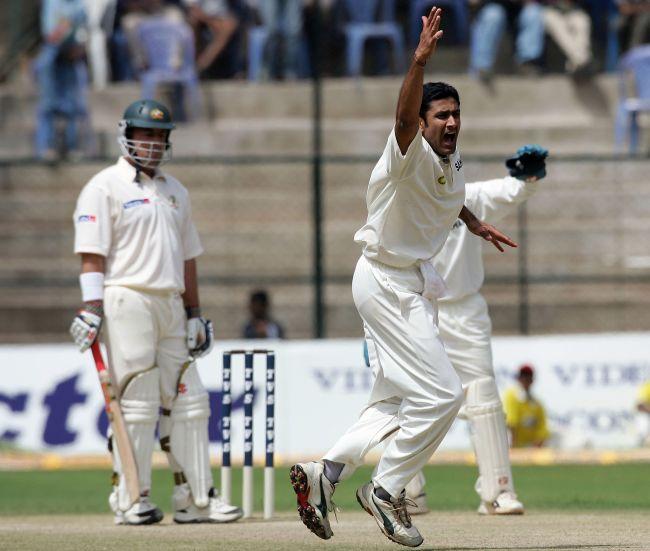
<point x="528" y="162"/>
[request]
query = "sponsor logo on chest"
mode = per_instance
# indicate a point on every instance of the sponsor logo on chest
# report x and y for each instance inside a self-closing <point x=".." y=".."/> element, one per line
<point x="458" y="164"/>
<point x="135" y="203"/>
<point x="87" y="218"/>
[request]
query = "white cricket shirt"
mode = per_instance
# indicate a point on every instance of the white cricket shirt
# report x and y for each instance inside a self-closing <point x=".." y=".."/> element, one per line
<point x="460" y="262"/>
<point x="144" y="228"/>
<point x="412" y="201"/>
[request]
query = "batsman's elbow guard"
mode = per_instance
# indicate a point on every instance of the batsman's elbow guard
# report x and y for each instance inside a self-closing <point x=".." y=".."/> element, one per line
<point x="529" y="162"/>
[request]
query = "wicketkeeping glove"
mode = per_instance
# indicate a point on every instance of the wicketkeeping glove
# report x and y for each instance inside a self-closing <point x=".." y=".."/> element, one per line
<point x="86" y="325"/>
<point x="200" y="336"/>
<point x="528" y="162"/>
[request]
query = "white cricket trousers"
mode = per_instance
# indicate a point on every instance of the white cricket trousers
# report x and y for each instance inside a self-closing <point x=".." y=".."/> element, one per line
<point x="416" y="393"/>
<point x="143" y="330"/>
<point x="466" y="329"/>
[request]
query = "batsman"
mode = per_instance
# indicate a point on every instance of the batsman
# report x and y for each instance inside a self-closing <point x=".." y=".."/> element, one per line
<point x="138" y="247"/>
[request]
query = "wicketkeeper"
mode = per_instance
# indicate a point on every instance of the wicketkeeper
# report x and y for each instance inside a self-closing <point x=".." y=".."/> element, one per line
<point x="465" y="328"/>
<point x="138" y="248"/>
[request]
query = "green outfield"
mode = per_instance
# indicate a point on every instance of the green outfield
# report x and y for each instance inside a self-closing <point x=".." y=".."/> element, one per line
<point x="449" y="487"/>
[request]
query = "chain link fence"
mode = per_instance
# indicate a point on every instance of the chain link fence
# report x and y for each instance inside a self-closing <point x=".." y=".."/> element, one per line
<point x="583" y="264"/>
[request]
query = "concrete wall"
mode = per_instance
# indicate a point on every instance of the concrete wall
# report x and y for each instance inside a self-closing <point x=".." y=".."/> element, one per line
<point x="586" y="225"/>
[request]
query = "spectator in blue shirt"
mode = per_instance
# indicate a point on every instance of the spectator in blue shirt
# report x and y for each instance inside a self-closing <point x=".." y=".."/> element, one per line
<point x="61" y="75"/>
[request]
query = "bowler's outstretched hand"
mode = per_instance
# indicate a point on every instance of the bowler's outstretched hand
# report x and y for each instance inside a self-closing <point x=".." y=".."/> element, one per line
<point x="429" y="36"/>
<point x="491" y="234"/>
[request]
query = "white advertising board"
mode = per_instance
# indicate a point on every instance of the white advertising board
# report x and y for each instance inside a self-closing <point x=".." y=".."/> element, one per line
<point x="50" y="399"/>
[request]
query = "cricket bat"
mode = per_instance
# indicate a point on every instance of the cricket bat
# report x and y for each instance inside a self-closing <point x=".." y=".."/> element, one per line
<point x="120" y="435"/>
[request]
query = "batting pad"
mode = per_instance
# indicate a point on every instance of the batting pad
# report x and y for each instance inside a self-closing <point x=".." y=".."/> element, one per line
<point x="139" y="403"/>
<point x="488" y="433"/>
<point x="189" y="435"/>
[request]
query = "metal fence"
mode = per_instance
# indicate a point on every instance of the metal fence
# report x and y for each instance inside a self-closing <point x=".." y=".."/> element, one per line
<point x="583" y="264"/>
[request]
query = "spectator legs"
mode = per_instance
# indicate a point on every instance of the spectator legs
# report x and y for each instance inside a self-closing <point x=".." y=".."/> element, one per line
<point x="571" y="32"/>
<point x="486" y="36"/>
<point x="45" y="69"/>
<point x="283" y="18"/>
<point x="62" y="88"/>
<point x="530" y="36"/>
<point x="293" y="27"/>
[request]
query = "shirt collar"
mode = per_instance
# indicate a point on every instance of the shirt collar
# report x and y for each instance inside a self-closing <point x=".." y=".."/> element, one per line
<point x="129" y="172"/>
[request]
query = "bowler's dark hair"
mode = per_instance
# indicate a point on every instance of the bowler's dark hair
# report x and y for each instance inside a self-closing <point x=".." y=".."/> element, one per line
<point x="436" y="90"/>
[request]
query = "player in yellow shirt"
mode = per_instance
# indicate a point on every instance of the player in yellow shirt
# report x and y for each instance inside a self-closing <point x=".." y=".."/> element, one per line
<point x="525" y="415"/>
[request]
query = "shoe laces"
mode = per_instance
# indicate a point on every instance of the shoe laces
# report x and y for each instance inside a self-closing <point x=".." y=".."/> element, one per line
<point x="332" y="507"/>
<point x="400" y="509"/>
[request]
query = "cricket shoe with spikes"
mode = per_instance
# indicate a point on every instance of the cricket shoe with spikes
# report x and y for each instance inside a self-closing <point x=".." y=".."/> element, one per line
<point x="314" y="497"/>
<point x="216" y="512"/>
<point x="141" y="513"/>
<point x="506" y="503"/>
<point x="392" y="516"/>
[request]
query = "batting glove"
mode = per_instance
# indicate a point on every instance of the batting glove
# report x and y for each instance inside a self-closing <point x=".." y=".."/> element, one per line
<point x="200" y="336"/>
<point x="529" y="162"/>
<point x="86" y="325"/>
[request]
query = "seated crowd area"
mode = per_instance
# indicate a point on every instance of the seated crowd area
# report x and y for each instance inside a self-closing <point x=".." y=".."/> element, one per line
<point x="183" y="41"/>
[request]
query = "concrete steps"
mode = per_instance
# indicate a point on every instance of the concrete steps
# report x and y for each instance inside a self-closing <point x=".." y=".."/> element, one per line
<point x="275" y="118"/>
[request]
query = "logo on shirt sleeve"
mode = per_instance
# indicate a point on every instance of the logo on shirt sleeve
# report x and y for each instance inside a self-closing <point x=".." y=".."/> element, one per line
<point x="87" y="218"/>
<point x="135" y="203"/>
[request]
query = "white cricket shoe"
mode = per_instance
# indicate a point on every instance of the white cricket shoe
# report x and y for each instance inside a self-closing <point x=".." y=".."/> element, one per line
<point x="314" y="497"/>
<point x="217" y="510"/>
<point x="417" y="505"/>
<point x="141" y="513"/>
<point x="392" y="516"/>
<point x="506" y="503"/>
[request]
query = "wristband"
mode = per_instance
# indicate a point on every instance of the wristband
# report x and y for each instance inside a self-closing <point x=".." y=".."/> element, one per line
<point x="193" y="312"/>
<point x="94" y="308"/>
<point x="92" y="286"/>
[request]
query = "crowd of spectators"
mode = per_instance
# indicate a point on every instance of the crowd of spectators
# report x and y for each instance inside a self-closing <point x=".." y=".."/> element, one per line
<point x="149" y="40"/>
<point x="222" y="30"/>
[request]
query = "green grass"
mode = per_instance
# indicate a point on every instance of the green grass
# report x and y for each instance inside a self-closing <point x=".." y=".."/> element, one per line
<point x="449" y="487"/>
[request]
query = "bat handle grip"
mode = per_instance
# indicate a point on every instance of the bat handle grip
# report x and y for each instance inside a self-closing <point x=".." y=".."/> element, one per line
<point x="97" y="356"/>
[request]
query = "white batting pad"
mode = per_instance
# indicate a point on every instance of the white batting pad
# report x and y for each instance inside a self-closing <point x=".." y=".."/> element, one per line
<point x="189" y="435"/>
<point x="139" y="403"/>
<point x="489" y="437"/>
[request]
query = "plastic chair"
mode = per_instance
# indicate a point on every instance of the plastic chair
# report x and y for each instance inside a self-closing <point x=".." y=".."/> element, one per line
<point x="169" y="50"/>
<point x="422" y="7"/>
<point x="371" y="19"/>
<point x="635" y="63"/>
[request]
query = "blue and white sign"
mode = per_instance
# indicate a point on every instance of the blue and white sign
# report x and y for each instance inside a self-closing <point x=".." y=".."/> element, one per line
<point x="50" y="399"/>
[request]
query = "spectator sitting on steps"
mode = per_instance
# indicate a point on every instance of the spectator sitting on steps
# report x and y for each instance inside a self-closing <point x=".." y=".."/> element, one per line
<point x="261" y="325"/>
<point x="527" y="20"/>
<point x="569" y="25"/>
